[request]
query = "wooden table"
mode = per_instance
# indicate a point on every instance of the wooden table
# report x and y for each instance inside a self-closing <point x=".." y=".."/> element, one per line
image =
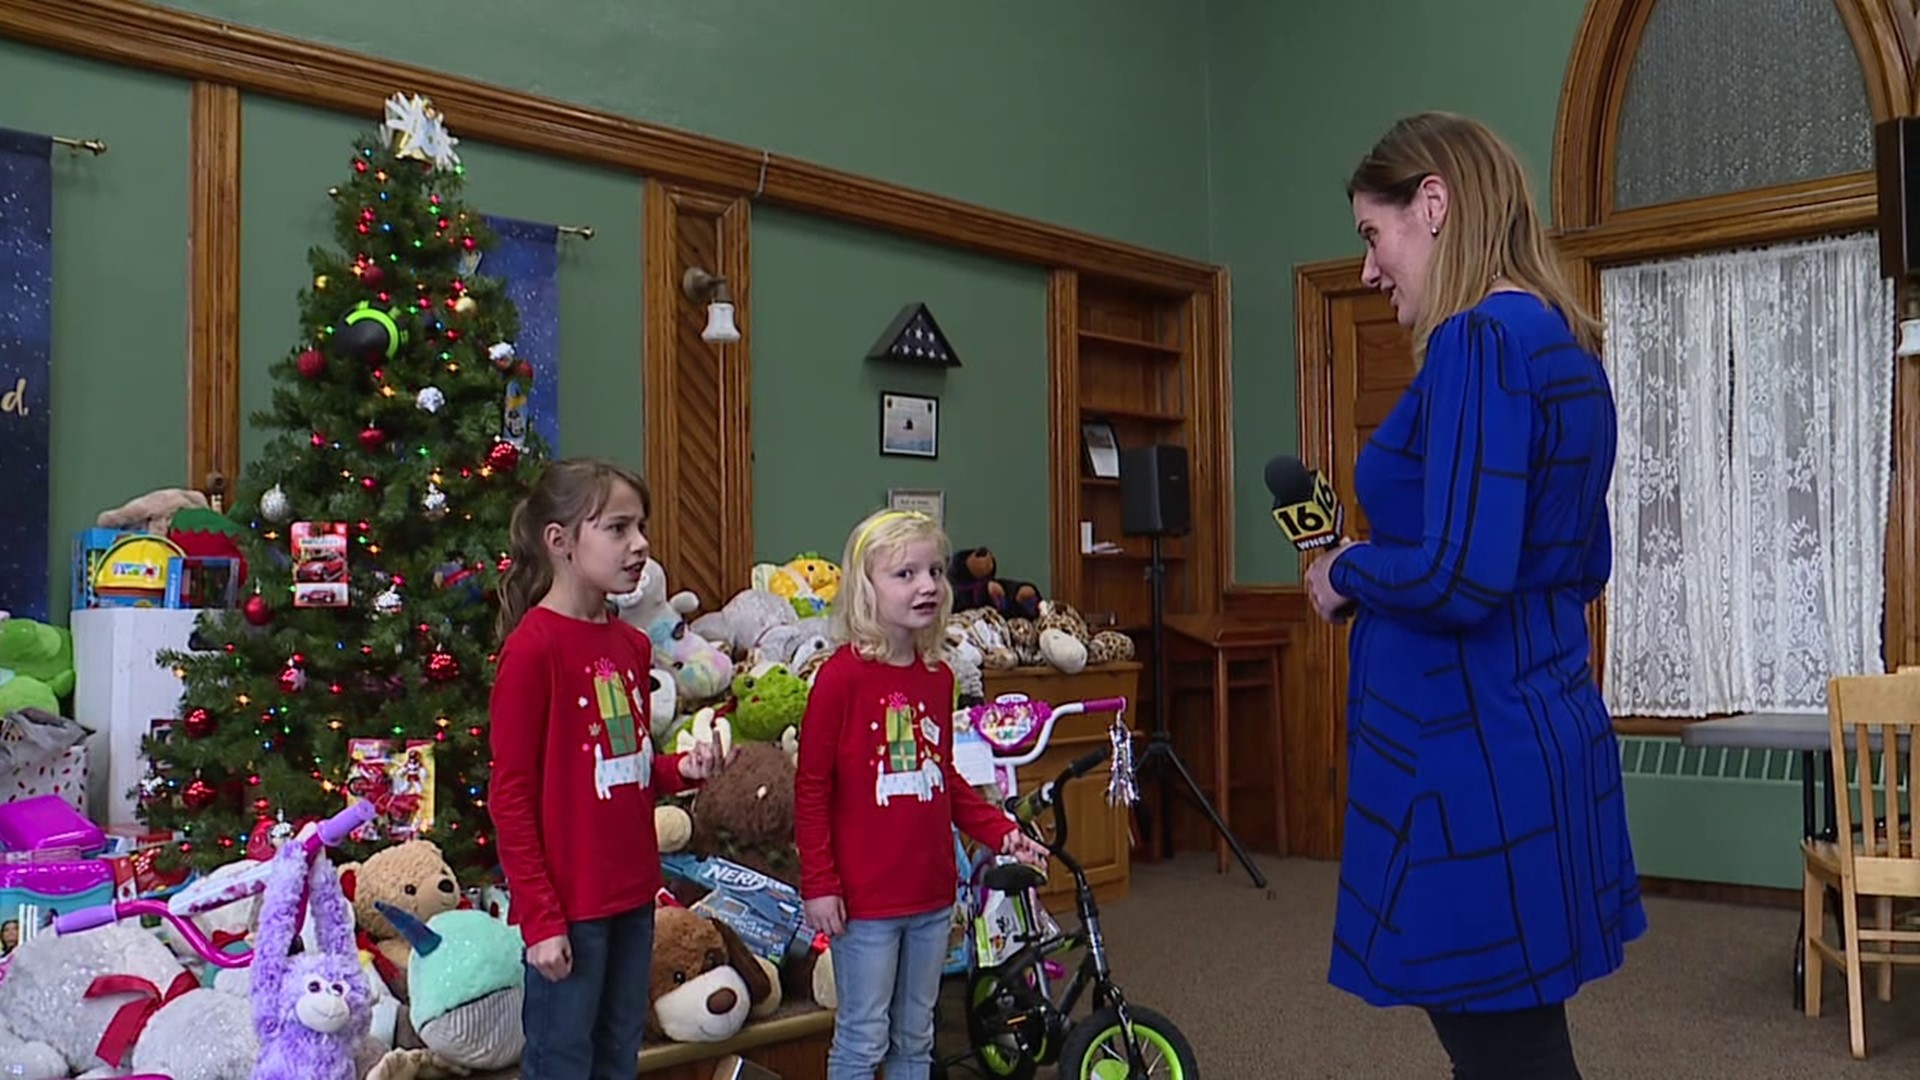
<point x="1229" y="654"/>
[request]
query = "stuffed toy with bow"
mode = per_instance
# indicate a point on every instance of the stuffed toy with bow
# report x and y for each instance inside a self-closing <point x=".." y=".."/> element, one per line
<point x="310" y="1011"/>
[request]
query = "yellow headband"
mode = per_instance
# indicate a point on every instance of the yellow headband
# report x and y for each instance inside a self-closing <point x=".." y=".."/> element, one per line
<point x="860" y="541"/>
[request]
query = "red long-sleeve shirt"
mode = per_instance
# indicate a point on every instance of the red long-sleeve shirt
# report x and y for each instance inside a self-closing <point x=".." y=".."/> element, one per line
<point x="876" y="793"/>
<point x="574" y="772"/>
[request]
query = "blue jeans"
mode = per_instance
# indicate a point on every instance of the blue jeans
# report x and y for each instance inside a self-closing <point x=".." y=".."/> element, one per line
<point x="588" y="1025"/>
<point x="886" y="973"/>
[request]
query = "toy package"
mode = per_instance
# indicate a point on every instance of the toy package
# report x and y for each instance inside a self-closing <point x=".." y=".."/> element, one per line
<point x="398" y="781"/>
<point x="765" y="912"/>
<point x="36" y="886"/>
<point x="319" y="564"/>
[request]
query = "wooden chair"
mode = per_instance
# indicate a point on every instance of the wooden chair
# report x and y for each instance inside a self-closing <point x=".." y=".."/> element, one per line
<point x="1877" y="853"/>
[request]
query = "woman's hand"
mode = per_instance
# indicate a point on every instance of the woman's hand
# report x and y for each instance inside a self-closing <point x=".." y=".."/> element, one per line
<point x="552" y="957"/>
<point x="827" y="914"/>
<point x="1327" y="600"/>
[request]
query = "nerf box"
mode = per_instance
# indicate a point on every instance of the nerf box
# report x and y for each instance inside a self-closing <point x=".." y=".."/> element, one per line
<point x="766" y="913"/>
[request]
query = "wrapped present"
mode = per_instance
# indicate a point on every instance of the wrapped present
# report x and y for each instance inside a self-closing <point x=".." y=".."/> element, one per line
<point x="42" y="753"/>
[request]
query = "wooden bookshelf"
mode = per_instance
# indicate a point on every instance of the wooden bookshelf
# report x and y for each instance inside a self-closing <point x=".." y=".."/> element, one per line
<point x="1147" y="365"/>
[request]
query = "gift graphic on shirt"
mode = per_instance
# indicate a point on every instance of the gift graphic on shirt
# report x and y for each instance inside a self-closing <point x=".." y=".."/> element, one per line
<point x="909" y="761"/>
<point x="623" y="756"/>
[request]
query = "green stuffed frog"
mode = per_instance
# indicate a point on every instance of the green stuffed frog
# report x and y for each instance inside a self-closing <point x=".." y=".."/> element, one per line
<point x="768" y="699"/>
<point x="36" y="665"/>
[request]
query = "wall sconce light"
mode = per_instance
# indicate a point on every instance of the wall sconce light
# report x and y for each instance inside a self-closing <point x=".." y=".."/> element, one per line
<point x="704" y="288"/>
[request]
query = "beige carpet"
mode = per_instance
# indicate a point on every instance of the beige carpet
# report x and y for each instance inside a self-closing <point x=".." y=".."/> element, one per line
<point x="1706" y="993"/>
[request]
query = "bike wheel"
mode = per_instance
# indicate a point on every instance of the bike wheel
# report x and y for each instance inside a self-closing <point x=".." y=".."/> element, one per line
<point x="1096" y="1049"/>
<point x="1000" y="1052"/>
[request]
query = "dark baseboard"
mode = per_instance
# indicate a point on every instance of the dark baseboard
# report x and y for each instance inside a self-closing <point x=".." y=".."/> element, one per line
<point x="1718" y="892"/>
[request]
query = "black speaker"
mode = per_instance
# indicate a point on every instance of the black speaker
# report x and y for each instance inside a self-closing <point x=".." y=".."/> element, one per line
<point x="1896" y="166"/>
<point x="1153" y="491"/>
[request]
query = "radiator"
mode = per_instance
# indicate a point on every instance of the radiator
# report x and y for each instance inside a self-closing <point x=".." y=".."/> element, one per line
<point x="1712" y="814"/>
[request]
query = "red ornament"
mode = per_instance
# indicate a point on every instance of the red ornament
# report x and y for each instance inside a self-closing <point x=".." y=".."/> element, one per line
<point x="368" y="482"/>
<point x="198" y="796"/>
<point x="312" y="363"/>
<point x="292" y="679"/>
<point x="256" y="610"/>
<point x="318" y="440"/>
<point x="372" y="275"/>
<point x="505" y="564"/>
<point x="198" y="723"/>
<point x="503" y="457"/>
<point x="523" y="370"/>
<point x="442" y="667"/>
<point x="373" y="438"/>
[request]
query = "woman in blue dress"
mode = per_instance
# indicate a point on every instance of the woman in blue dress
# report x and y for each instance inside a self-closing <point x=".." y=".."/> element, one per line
<point x="1487" y="872"/>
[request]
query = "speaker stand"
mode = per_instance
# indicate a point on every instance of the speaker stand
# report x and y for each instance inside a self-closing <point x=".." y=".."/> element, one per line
<point x="1160" y="753"/>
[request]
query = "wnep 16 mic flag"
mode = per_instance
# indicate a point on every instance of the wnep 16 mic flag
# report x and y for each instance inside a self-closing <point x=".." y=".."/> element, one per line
<point x="1304" y="506"/>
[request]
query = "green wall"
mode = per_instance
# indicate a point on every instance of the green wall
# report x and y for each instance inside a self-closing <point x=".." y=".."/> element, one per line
<point x="118" y="394"/>
<point x="1278" y="177"/>
<point x="292" y="154"/>
<point x="822" y="294"/>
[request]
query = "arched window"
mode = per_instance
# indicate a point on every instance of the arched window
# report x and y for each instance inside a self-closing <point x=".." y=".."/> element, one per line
<point x="1692" y="128"/>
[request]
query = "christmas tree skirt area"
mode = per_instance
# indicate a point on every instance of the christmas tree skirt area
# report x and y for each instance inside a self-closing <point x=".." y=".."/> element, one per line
<point x="792" y="1043"/>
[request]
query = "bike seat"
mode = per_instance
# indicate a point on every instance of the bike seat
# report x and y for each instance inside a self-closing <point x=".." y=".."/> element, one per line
<point x="1014" y="878"/>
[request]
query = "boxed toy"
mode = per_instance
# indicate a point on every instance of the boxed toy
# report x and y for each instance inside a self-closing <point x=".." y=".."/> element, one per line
<point x="766" y="913"/>
<point x="36" y="886"/>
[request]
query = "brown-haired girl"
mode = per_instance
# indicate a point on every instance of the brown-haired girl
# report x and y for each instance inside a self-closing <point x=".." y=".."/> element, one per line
<point x="574" y="773"/>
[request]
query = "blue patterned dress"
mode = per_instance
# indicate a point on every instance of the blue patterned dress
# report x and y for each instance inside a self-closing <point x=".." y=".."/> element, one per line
<point x="1487" y="864"/>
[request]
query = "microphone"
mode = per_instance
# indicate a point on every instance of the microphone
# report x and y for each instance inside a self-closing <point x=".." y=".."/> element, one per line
<point x="1304" y="505"/>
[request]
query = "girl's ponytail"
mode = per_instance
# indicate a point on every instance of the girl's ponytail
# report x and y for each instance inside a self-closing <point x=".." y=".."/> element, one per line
<point x="530" y="575"/>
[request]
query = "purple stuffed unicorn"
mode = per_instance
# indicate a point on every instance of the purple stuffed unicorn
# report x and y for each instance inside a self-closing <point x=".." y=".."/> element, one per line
<point x="309" y="1011"/>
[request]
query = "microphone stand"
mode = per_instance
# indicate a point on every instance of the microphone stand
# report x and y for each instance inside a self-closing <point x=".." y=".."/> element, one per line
<point x="1160" y="742"/>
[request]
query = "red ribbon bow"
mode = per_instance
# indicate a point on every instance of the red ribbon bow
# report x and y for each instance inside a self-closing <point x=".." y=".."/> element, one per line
<point x="131" y="1019"/>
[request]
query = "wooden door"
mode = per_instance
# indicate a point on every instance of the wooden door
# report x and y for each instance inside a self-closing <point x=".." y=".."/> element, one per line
<point x="1369" y="365"/>
<point x="1355" y="362"/>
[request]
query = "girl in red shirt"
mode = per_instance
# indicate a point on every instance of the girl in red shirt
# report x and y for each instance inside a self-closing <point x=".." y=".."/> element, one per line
<point x="877" y="796"/>
<point x="574" y="772"/>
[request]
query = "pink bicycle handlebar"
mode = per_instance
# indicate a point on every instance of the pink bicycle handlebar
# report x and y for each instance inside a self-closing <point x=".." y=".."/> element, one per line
<point x="328" y="833"/>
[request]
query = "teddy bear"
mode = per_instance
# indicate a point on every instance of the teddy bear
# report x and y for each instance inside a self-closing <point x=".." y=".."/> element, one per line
<point x="411" y="876"/>
<point x="975" y="585"/>
<point x="152" y="512"/>
<point x="745" y="813"/>
<point x="50" y="1027"/>
<point x="745" y="619"/>
<point x="705" y="980"/>
<point x="702" y="668"/>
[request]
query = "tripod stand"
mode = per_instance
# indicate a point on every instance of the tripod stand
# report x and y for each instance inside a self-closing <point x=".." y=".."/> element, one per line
<point x="1160" y="752"/>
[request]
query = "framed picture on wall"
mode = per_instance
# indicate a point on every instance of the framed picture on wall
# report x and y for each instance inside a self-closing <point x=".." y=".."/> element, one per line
<point x="909" y="425"/>
<point x="931" y="502"/>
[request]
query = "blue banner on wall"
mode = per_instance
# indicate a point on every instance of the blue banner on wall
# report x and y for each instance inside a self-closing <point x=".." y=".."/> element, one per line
<point x="527" y="261"/>
<point x="26" y="352"/>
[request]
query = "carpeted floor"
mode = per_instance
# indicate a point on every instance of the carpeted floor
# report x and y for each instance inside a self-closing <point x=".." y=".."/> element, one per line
<point x="1706" y="993"/>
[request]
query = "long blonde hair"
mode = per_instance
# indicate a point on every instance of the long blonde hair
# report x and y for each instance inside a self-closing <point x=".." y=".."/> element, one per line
<point x="856" y="609"/>
<point x="1491" y="230"/>
<point x="569" y="493"/>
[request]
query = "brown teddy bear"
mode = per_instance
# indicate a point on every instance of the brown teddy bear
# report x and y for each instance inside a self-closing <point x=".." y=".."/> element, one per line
<point x="152" y="512"/>
<point x="413" y="877"/>
<point x="705" y="980"/>
<point x="745" y="813"/>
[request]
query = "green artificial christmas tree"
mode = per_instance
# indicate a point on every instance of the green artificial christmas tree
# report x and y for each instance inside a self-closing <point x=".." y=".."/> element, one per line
<point x="375" y="529"/>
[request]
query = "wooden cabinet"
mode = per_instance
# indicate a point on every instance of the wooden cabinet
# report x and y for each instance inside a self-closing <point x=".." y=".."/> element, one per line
<point x="1098" y="835"/>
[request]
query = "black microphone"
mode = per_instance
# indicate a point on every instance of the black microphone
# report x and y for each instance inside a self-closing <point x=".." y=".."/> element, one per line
<point x="1304" y="505"/>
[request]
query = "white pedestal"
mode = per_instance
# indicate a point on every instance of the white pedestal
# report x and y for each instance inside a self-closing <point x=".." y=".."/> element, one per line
<point x="119" y="690"/>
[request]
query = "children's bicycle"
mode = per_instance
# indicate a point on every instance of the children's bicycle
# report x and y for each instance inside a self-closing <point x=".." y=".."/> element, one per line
<point x="1016" y="1022"/>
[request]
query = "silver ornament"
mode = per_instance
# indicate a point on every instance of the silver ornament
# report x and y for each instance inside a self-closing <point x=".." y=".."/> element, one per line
<point x="388" y="602"/>
<point x="275" y="506"/>
<point x="434" y="502"/>
<point x="430" y="399"/>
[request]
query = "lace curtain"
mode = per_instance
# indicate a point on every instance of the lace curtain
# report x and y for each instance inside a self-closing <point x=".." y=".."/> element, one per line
<point x="1749" y="503"/>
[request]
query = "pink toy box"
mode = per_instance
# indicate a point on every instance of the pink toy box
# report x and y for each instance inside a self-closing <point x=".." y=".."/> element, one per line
<point x="46" y="823"/>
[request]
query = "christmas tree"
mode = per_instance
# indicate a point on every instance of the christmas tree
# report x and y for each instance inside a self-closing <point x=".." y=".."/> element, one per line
<point x="374" y="532"/>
